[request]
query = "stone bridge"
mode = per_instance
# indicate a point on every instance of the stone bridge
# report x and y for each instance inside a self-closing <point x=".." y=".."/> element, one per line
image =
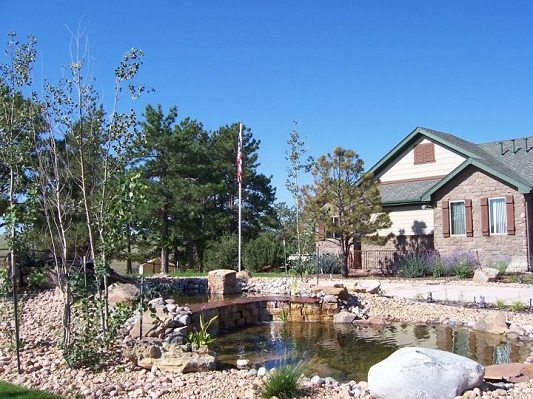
<point x="240" y="312"/>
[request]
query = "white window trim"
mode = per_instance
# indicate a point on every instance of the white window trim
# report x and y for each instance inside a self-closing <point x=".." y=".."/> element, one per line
<point x="333" y="235"/>
<point x="464" y="218"/>
<point x="504" y="232"/>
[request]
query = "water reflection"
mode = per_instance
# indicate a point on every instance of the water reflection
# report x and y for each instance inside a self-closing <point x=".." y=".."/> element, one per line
<point x="346" y="352"/>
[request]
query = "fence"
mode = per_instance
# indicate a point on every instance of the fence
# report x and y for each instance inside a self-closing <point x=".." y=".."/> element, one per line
<point x="372" y="261"/>
<point x="379" y="261"/>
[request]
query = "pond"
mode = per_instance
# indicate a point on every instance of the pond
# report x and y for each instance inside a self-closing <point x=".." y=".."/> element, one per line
<point x="346" y="352"/>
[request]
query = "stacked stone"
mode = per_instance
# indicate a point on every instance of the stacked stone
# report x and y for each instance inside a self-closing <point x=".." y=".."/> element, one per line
<point x="163" y="319"/>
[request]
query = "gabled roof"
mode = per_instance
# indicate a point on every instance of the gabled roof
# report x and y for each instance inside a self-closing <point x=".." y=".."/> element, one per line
<point x="510" y="161"/>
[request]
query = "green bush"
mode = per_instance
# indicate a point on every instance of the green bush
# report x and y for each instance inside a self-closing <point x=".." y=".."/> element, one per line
<point x="501" y="263"/>
<point x="282" y="383"/>
<point x="325" y="264"/>
<point x="461" y="263"/>
<point x="91" y="346"/>
<point x="417" y="264"/>
<point x="463" y="271"/>
<point x="264" y="251"/>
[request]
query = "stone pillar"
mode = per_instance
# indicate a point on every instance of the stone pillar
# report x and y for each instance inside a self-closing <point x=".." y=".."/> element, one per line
<point x="222" y="281"/>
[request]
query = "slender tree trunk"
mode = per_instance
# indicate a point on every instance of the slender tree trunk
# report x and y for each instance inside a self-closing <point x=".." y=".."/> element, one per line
<point x="164" y="247"/>
<point x="190" y="252"/>
<point x="129" y="266"/>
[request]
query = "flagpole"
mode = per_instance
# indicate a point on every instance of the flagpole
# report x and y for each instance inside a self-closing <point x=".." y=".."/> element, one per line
<point x="239" y="178"/>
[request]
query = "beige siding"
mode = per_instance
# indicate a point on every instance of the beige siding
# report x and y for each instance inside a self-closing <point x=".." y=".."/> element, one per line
<point x="410" y="222"/>
<point x="404" y="167"/>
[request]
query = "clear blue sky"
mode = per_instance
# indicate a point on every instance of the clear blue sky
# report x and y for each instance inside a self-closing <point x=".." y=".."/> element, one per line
<point x="356" y="74"/>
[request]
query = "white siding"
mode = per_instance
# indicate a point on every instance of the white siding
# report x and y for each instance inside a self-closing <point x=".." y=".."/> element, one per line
<point x="404" y="167"/>
<point x="410" y="222"/>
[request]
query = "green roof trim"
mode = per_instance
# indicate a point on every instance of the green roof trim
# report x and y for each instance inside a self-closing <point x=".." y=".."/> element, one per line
<point x="521" y="188"/>
<point x="512" y="167"/>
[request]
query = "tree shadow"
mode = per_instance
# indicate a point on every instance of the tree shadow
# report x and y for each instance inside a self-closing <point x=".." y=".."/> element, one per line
<point x="416" y="242"/>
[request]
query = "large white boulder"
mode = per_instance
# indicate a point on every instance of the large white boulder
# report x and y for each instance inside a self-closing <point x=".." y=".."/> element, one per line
<point x="421" y="373"/>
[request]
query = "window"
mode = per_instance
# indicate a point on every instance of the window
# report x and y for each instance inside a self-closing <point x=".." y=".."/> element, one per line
<point x="457" y="218"/>
<point x="424" y="153"/>
<point x="497" y="216"/>
<point x="333" y="233"/>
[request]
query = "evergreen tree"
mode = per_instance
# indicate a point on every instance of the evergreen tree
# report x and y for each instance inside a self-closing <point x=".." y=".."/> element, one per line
<point x="345" y="199"/>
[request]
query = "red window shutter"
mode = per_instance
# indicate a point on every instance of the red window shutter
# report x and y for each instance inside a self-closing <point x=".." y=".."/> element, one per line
<point x="445" y="218"/>
<point x="419" y="154"/>
<point x="468" y="217"/>
<point x="485" y="216"/>
<point x="509" y="202"/>
<point x="429" y="152"/>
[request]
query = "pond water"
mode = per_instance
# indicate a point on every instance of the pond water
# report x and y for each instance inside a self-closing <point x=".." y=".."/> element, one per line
<point x="346" y="352"/>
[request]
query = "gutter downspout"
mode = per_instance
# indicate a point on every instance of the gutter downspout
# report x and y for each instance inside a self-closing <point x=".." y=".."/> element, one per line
<point x="528" y="229"/>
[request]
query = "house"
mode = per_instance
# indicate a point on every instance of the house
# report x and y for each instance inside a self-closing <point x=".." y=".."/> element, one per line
<point x="445" y="193"/>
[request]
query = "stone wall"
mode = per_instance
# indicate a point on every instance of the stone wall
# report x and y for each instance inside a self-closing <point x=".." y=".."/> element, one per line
<point x="474" y="184"/>
<point x="248" y="311"/>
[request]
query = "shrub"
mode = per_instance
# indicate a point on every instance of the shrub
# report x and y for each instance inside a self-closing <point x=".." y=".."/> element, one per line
<point x="461" y="263"/>
<point x="418" y="264"/>
<point x="91" y="346"/>
<point x="264" y="251"/>
<point x="500" y="304"/>
<point x="326" y="264"/>
<point x="283" y="382"/>
<point x="501" y="263"/>
<point x="517" y="306"/>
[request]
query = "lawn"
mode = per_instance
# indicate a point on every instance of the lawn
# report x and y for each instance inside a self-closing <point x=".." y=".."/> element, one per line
<point x="11" y="391"/>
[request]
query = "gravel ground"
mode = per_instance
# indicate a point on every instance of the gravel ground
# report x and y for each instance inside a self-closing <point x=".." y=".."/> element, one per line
<point x="44" y="368"/>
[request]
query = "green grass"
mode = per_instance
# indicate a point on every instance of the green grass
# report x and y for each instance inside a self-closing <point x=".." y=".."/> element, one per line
<point x="275" y="274"/>
<point x="283" y="382"/>
<point x="11" y="391"/>
<point x="189" y="273"/>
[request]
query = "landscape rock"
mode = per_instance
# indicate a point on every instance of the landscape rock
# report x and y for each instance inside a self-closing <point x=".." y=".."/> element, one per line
<point x="244" y="275"/>
<point x="493" y="323"/>
<point x="367" y="286"/>
<point x="150" y="353"/>
<point x="338" y="291"/>
<point x="485" y="275"/>
<point x="344" y="317"/>
<point x="423" y="373"/>
<point x="507" y="371"/>
<point x="119" y="292"/>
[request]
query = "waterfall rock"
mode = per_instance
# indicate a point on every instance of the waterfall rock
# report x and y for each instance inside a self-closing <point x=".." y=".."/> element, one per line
<point x="493" y="323"/>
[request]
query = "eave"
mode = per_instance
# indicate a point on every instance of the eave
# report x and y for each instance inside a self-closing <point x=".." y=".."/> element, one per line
<point x="520" y="187"/>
